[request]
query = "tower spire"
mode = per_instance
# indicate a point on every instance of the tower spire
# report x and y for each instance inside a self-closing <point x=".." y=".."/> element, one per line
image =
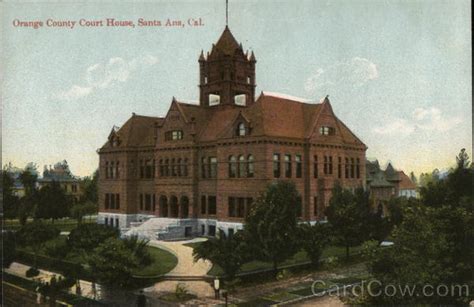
<point x="226" y="13"/>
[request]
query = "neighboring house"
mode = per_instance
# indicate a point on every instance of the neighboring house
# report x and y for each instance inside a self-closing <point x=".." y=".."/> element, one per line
<point x="388" y="183"/>
<point x="199" y="168"/>
<point x="61" y="174"/>
<point x="15" y="172"/>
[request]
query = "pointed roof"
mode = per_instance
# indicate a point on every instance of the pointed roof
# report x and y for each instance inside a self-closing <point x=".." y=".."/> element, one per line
<point x="227" y="43"/>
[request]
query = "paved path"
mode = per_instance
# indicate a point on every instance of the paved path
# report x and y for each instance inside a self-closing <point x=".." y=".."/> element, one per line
<point x="185" y="267"/>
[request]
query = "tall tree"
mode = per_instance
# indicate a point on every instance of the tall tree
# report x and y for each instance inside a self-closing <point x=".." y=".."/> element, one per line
<point x="313" y="240"/>
<point x="348" y="214"/>
<point x="271" y="225"/>
<point x="90" y="186"/>
<point x="88" y="236"/>
<point x="53" y="202"/>
<point x="81" y="209"/>
<point x="11" y="202"/>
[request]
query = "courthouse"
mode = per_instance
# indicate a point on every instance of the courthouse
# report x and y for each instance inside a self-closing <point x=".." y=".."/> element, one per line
<point x="198" y="169"/>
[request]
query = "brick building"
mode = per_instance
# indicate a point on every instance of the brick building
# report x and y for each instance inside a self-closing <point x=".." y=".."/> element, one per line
<point x="199" y="168"/>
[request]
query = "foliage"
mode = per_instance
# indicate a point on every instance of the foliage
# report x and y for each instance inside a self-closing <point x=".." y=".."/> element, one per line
<point x="271" y="226"/>
<point x="10" y="201"/>
<point x="313" y="240"/>
<point x="139" y="249"/>
<point x="81" y="209"/>
<point x="32" y="272"/>
<point x="8" y="248"/>
<point x="348" y="214"/>
<point x="181" y="292"/>
<point x="35" y="234"/>
<point x="228" y="253"/>
<point x="29" y="177"/>
<point x="432" y="244"/>
<point x="112" y="263"/>
<point x="56" y="248"/>
<point x="90" y="188"/>
<point x="53" y="202"/>
<point x="88" y="236"/>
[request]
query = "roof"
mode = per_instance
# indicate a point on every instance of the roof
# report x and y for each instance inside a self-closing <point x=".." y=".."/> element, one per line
<point x="138" y="130"/>
<point x="405" y="182"/>
<point x="227" y="44"/>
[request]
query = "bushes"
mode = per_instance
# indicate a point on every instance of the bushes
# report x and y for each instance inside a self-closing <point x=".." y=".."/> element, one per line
<point x="89" y="236"/>
<point x="32" y="272"/>
<point x="56" y="248"/>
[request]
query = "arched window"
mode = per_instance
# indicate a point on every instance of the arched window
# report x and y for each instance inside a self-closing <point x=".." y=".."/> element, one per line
<point x="232" y="166"/>
<point x="241" y="131"/>
<point x="241" y="172"/>
<point x="212" y="167"/>
<point x="250" y="166"/>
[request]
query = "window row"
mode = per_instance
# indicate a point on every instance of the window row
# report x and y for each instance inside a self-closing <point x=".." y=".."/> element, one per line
<point x="288" y="165"/>
<point x="112" y="169"/>
<point x="239" y="206"/>
<point x="208" y="167"/>
<point x="147" y="169"/>
<point x="147" y="202"/>
<point x="174" y="167"/>
<point x="110" y="222"/>
<point x="241" y="166"/>
<point x="173" y="135"/>
<point x="351" y="167"/>
<point x="112" y="201"/>
<point x="208" y="204"/>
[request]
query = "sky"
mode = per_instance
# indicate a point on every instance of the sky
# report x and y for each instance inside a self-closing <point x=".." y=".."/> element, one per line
<point x="398" y="73"/>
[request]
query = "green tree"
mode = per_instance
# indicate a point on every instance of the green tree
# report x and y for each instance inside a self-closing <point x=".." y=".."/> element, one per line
<point x="35" y="234"/>
<point x="90" y="186"/>
<point x="348" y="215"/>
<point x="271" y="226"/>
<point x="10" y="201"/>
<point x="228" y="253"/>
<point x="86" y="237"/>
<point x="313" y="240"/>
<point x="112" y="263"/>
<point x="139" y="249"/>
<point x="53" y="202"/>
<point x="81" y="209"/>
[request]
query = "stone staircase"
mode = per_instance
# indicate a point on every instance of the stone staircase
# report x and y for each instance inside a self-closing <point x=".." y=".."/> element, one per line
<point x="161" y="228"/>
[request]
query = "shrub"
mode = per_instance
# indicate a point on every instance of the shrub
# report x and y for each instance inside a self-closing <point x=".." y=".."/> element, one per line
<point x="56" y="248"/>
<point x="32" y="272"/>
<point x="181" y="292"/>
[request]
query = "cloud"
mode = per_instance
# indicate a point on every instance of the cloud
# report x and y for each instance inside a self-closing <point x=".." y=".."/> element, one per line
<point x="355" y="73"/>
<point x="104" y="75"/>
<point x="422" y="119"/>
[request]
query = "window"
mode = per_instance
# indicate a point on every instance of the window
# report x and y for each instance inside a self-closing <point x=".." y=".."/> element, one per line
<point x="167" y="167"/>
<point x="117" y="174"/>
<point x="141" y="201"/>
<point x="212" y="167"/>
<point x="178" y="167"/>
<point x="74" y="188"/>
<point x="231" y="233"/>
<point x="325" y="130"/>
<point x="214" y="99"/>
<point x="339" y="167"/>
<point x="231" y="207"/>
<point x="211" y="201"/>
<point x="288" y="166"/>
<point x="107" y="170"/>
<point x="185" y="167"/>
<point x="358" y="168"/>
<point x="241" y="131"/>
<point x="117" y="201"/>
<point x="232" y="167"/>
<point x="161" y="168"/>
<point x="327" y="165"/>
<point x="212" y="230"/>
<point x="330" y="165"/>
<point x="240" y="207"/>
<point x="315" y="208"/>
<point x="154" y="203"/>
<point x="352" y="167"/>
<point x="149" y="169"/>
<point x="248" y="80"/>
<point x="315" y="167"/>
<point x="346" y="168"/>
<point x="276" y="165"/>
<point x="106" y="221"/>
<point x="241" y="169"/>
<point x="240" y="100"/>
<point x="173" y="167"/>
<point x="173" y="135"/>
<point x="298" y="166"/>
<point x="250" y="166"/>
<point x="147" y="202"/>
<point x="112" y="201"/>
<point x="203" y="167"/>
<point x="112" y="170"/>
<point x="107" y="201"/>
<point x="203" y="204"/>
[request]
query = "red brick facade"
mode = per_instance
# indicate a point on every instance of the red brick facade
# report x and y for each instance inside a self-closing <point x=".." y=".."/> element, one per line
<point x="209" y="161"/>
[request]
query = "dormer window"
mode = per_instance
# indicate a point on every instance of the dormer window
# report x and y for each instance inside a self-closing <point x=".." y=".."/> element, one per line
<point x="240" y="100"/>
<point x="214" y="99"/>
<point x="326" y="130"/>
<point x="174" y="135"/>
<point x="241" y="130"/>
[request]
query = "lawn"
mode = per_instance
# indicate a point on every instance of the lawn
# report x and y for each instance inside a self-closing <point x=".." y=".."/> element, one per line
<point x="65" y="224"/>
<point x="299" y="257"/>
<point x="163" y="262"/>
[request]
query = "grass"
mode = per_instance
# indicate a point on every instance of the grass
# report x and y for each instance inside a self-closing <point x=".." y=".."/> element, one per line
<point x="163" y="262"/>
<point x="65" y="224"/>
<point x="299" y="257"/>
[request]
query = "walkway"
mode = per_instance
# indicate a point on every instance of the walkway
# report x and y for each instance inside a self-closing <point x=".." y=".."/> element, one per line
<point x="185" y="267"/>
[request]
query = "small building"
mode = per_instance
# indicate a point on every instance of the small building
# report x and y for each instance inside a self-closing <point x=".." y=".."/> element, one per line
<point x="386" y="184"/>
<point x="61" y="174"/>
